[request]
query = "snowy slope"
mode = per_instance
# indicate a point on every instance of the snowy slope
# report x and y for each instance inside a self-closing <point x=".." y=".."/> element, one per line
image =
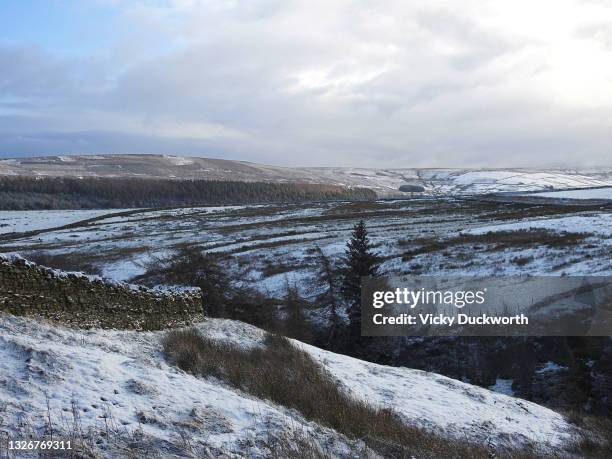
<point x="427" y="399"/>
<point x="121" y="378"/>
<point x="385" y="181"/>
<point x="29" y="220"/>
<point x="593" y="193"/>
<point x="452" y="181"/>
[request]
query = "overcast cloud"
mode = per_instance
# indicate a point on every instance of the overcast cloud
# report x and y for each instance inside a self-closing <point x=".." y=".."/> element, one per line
<point x="368" y="83"/>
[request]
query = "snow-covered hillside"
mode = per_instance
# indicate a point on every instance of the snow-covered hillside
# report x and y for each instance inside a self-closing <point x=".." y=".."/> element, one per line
<point x="582" y="194"/>
<point x="427" y="399"/>
<point x="458" y="182"/>
<point x="120" y="379"/>
<point x="385" y="181"/>
<point x="118" y="382"/>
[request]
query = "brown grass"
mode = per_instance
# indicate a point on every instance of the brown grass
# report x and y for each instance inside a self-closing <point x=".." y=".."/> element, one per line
<point x="497" y="240"/>
<point x="290" y="377"/>
<point x="596" y="441"/>
<point x="66" y="262"/>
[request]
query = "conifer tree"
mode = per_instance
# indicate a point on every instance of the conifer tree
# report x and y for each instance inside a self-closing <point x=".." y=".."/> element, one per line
<point x="359" y="262"/>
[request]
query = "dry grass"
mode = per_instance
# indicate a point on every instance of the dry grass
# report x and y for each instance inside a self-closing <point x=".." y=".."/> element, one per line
<point x="496" y="241"/>
<point x="360" y="206"/>
<point x="596" y="441"/>
<point x="290" y="377"/>
<point x="66" y="262"/>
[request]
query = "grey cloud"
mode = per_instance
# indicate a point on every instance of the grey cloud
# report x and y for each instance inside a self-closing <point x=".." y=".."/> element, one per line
<point x="28" y="72"/>
<point x="599" y="32"/>
<point x="282" y="83"/>
<point x="476" y="45"/>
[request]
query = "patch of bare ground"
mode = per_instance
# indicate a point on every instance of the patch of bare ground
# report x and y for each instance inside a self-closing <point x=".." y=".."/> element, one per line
<point x="256" y="238"/>
<point x="496" y="240"/>
<point x="518" y="211"/>
<point x="88" y="262"/>
<point x="67" y="261"/>
<point x="288" y="376"/>
<point x="360" y="206"/>
<point x="348" y="216"/>
<point x="274" y="244"/>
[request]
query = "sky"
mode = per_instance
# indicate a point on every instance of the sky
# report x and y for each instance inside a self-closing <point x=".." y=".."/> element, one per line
<point x="399" y="83"/>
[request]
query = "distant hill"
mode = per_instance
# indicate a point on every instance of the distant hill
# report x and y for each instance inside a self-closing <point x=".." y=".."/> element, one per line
<point x="384" y="181"/>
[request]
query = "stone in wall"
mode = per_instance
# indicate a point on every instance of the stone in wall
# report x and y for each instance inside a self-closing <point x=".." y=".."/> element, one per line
<point x="86" y="301"/>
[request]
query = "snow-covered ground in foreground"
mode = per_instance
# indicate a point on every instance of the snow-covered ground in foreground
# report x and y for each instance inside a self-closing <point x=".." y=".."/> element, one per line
<point x="17" y="221"/>
<point x="120" y="377"/>
<point x="438" y="402"/>
<point x="426" y="399"/>
<point x="592" y="193"/>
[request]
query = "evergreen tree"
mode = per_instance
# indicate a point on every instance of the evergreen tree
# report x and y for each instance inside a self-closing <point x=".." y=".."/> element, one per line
<point x="359" y="262"/>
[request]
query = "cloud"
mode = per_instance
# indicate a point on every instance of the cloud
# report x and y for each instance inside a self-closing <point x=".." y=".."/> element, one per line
<point x="399" y="83"/>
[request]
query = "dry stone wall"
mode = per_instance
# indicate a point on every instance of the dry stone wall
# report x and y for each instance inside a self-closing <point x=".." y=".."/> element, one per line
<point x="84" y="301"/>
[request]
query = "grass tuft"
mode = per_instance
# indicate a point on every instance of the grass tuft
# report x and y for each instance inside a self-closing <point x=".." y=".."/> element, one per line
<point x="286" y="375"/>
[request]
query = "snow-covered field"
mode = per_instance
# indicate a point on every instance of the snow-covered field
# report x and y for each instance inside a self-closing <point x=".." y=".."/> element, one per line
<point x="598" y="224"/>
<point x="269" y="245"/>
<point x="120" y="381"/>
<point x="31" y="220"/>
<point x="592" y="193"/>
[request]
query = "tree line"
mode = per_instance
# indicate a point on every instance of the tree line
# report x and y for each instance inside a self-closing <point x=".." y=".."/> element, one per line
<point x="36" y="193"/>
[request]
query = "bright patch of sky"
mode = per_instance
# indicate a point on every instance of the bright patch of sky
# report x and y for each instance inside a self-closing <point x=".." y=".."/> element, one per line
<point x="62" y="26"/>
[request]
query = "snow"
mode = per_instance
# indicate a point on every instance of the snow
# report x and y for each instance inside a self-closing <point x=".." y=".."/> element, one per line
<point x="124" y="270"/>
<point x="592" y="193"/>
<point x="66" y="159"/>
<point x="503" y="386"/>
<point x="429" y="400"/>
<point x="261" y="237"/>
<point x="178" y="160"/>
<point x="443" y="404"/>
<point x="600" y="224"/>
<point x="121" y="378"/>
<point x="385" y="182"/>
<point x="462" y="181"/>
<point x="550" y="367"/>
<point x="17" y="221"/>
<point x="530" y="179"/>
